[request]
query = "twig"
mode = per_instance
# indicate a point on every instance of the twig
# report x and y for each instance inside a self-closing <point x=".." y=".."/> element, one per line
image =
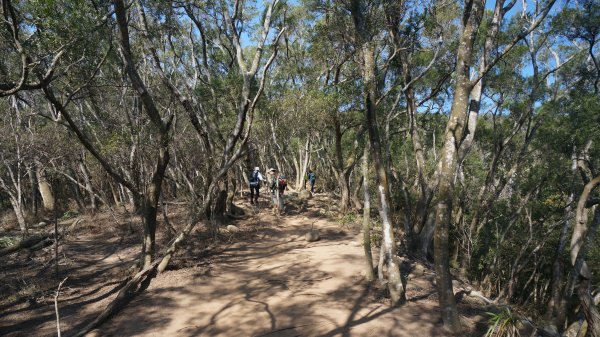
<point x="56" y="305"/>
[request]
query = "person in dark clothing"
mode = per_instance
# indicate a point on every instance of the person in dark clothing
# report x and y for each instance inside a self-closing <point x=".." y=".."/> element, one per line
<point x="311" y="179"/>
<point x="255" y="181"/>
<point x="278" y="186"/>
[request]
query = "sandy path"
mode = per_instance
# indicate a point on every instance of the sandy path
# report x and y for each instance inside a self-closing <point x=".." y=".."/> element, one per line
<point x="275" y="285"/>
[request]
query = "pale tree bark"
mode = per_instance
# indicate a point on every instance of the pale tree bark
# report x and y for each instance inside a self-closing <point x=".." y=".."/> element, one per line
<point x="304" y="159"/>
<point x="369" y="272"/>
<point x="16" y="200"/>
<point x="581" y="238"/>
<point x="45" y="188"/>
<point x="369" y="67"/>
<point x="88" y="184"/>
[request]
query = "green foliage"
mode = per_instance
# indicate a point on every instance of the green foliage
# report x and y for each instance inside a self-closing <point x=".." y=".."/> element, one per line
<point x="68" y="215"/>
<point x="349" y="219"/>
<point x="6" y="241"/>
<point x="503" y="324"/>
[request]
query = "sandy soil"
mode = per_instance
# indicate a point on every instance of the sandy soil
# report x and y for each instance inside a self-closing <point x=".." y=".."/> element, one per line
<point x="265" y="280"/>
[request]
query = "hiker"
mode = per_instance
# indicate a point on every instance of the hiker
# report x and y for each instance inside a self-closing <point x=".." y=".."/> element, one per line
<point x="255" y="180"/>
<point x="311" y="176"/>
<point x="278" y="186"/>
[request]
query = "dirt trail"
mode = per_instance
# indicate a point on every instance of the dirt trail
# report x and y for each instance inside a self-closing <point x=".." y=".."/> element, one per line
<point x="277" y="285"/>
<point x="268" y="281"/>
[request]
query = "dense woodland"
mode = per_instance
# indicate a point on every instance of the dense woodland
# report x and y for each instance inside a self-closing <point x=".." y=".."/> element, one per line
<point x="464" y="133"/>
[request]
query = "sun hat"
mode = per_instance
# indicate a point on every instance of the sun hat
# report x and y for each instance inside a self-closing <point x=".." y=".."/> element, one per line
<point x="256" y="169"/>
<point x="272" y="170"/>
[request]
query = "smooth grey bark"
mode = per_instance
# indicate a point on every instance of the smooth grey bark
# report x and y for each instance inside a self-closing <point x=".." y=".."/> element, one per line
<point x="580" y="240"/>
<point x="369" y="272"/>
<point x="389" y="248"/>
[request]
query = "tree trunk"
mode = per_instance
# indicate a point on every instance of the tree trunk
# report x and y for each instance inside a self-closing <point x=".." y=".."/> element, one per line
<point x="45" y="189"/>
<point x="369" y="273"/>
<point x="426" y="193"/>
<point x="150" y="207"/>
<point x="17" y="206"/>
<point x="74" y="184"/>
<point x="395" y="285"/>
<point x="344" y="184"/>
<point x="153" y="188"/>
<point x="447" y="165"/>
<point x="34" y="190"/>
<point x="88" y="185"/>
<point x="580" y="240"/>
<point x="369" y="69"/>
<point x="556" y="312"/>
<point x="356" y="194"/>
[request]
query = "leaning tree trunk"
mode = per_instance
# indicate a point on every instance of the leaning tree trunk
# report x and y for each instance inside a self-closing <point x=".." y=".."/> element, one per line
<point x="580" y="240"/>
<point x="45" y="189"/>
<point x="17" y="206"/>
<point x="88" y="185"/>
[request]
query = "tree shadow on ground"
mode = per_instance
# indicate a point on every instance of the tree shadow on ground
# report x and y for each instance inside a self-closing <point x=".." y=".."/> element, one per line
<point x="278" y="286"/>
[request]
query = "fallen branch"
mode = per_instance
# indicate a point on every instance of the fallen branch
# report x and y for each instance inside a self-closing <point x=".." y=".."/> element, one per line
<point x="474" y="293"/>
<point x="56" y="306"/>
<point x="22" y="244"/>
<point x="123" y="297"/>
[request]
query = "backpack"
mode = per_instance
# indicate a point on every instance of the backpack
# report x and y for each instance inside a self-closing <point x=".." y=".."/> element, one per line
<point x="282" y="183"/>
<point x="312" y="176"/>
<point x="254" y="181"/>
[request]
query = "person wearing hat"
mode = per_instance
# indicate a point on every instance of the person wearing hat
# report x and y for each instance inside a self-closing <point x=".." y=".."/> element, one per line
<point x="255" y="180"/>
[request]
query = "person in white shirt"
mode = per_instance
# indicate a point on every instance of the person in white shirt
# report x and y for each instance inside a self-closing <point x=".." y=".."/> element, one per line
<point x="255" y="181"/>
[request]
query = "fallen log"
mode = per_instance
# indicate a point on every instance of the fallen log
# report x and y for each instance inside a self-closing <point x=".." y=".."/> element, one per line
<point x="25" y="243"/>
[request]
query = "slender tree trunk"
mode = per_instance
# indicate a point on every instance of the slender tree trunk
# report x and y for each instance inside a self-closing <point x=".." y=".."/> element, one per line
<point x="88" y="185"/>
<point x="304" y="159"/>
<point x="426" y="193"/>
<point x="369" y="273"/>
<point x="343" y="182"/>
<point x="356" y="193"/>
<point x="448" y="163"/>
<point x="395" y="285"/>
<point x="153" y="188"/>
<point x="369" y="69"/>
<point x="556" y="312"/>
<point x="150" y="206"/>
<point x="17" y="206"/>
<point x="74" y="184"/>
<point x="34" y="190"/>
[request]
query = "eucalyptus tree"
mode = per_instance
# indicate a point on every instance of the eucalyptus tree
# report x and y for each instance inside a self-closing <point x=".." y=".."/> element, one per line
<point x="455" y="140"/>
<point x="364" y="17"/>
